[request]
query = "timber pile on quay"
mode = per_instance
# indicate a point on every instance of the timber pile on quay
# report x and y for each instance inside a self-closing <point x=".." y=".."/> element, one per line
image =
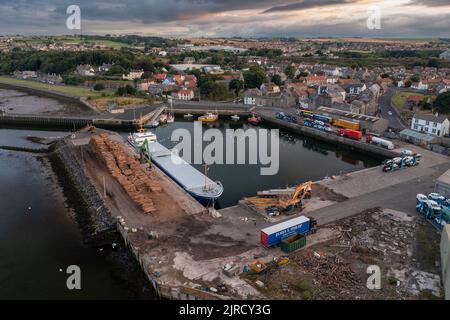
<point x="136" y="182"/>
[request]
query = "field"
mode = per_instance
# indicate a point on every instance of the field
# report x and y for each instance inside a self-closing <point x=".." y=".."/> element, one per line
<point x="73" y="91"/>
<point x="74" y="40"/>
<point x="399" y="99"/>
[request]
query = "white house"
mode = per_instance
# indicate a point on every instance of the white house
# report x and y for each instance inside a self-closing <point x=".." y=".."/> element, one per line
<point x="355" y="89"/>
<point x="85" y="70"/>
<point x="133" y="74"/>
<point x="437" y="125"/>
<point x="422" y="85"/>
<point x="183" y="94"/>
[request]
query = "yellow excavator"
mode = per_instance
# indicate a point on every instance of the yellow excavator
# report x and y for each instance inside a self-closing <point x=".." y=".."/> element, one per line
<point x="279" y="203"/>
<point x="301" y="191"/>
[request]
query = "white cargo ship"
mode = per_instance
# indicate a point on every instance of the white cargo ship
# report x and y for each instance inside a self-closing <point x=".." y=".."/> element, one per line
<point x="190" y="179"/>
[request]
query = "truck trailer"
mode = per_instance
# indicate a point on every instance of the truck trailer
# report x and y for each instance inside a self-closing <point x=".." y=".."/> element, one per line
<point x="349" y="133"/>
<point x="346" y="124"/>
<point x="273" y="235"/>
<point x="381" y="142"/>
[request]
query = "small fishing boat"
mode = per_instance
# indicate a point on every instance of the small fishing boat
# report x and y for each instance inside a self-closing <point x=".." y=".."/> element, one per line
<point x="235" y="117"/>
<point x="188" y="116"/>
<point x="254" y="120"/>
<point x="209" y="117"/>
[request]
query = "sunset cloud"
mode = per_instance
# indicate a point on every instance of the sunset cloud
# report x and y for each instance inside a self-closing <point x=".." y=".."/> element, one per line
<point x="247" y="18"/>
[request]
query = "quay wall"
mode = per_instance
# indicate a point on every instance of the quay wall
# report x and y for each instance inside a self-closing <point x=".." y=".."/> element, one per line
<point x="100" y="217"/>
<point x="445" y="260"/>
<point x="331" y="138"/>
<point x="63" y="121"/>
<point x="220" y="111"/>
<point x="51" y="94"/>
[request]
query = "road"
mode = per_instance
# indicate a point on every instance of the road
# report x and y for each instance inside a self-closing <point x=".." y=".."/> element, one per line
<point x="387" y="111"/>
<point x="395" y="190"/>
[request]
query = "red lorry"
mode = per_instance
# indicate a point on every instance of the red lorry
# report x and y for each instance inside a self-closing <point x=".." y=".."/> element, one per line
<point x="349" y="133"/>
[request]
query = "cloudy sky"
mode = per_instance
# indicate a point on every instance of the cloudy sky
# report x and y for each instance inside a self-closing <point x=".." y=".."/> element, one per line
<point x="246" y="18"/>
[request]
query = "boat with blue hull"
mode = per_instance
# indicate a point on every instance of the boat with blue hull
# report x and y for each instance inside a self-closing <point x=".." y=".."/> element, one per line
<point x="197" y="184"/>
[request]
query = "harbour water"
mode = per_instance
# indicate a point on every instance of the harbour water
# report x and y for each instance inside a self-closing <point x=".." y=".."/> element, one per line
<point x="300" y="159"/>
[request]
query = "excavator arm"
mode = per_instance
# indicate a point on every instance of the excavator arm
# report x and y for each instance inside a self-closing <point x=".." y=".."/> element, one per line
<point x="299" y="194"/>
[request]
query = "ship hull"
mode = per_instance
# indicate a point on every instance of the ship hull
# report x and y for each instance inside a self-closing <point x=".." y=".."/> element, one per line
<point x="205" y="197"/>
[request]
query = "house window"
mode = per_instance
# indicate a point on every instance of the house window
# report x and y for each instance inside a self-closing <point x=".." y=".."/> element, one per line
<point x="435" y="124"/>
<point x="428" y="123"/>
<point x="416" y="127"/>
<point x="416" y="120"/>
<point x="433" y="131"/>
<point x="426" y="129"/>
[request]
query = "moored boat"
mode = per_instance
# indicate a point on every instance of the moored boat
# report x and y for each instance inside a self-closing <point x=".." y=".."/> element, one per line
<point x="254" y="120"/>
<point x="235" y="117"/>
<point x="188" y="116"/>
<point x="137" y="139"/>
<point x="209" y="117"/>
<point x="197" y="184"/>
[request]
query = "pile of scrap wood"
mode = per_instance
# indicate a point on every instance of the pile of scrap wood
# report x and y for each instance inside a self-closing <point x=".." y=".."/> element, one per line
<point x="329" y="270"/>
<point x="127" y="170"/>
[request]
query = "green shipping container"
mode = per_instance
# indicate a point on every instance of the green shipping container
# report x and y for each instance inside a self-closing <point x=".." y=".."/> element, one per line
<point x="293" y="243"/>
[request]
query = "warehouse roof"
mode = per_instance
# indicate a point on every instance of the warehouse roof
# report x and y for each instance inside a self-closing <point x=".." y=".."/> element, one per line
<point x="353" y="115"/>
<point x="417" y="135"/>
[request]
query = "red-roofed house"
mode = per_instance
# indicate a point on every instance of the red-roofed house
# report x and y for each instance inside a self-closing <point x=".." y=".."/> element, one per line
<point x="178" y="79"/>
<point x="316" y="80"/>
<point x="160" y="77"/>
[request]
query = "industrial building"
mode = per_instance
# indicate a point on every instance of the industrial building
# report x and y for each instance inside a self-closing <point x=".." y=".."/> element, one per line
<point x="418" y="138"/>
<point x="368" y="123"/>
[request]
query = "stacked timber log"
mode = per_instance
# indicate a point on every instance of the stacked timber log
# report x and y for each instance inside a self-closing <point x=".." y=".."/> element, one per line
<point x="127" y="170"/>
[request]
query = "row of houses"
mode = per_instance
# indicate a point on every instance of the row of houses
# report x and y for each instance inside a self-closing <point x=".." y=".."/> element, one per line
<point x="179" y="86"/>
<point x="86" y="70"/>
<point x="49" y="78"/>
<point x="351" y="96"/>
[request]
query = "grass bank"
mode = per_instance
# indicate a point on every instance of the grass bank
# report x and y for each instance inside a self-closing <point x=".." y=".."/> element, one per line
<point x="73" y="91"/>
